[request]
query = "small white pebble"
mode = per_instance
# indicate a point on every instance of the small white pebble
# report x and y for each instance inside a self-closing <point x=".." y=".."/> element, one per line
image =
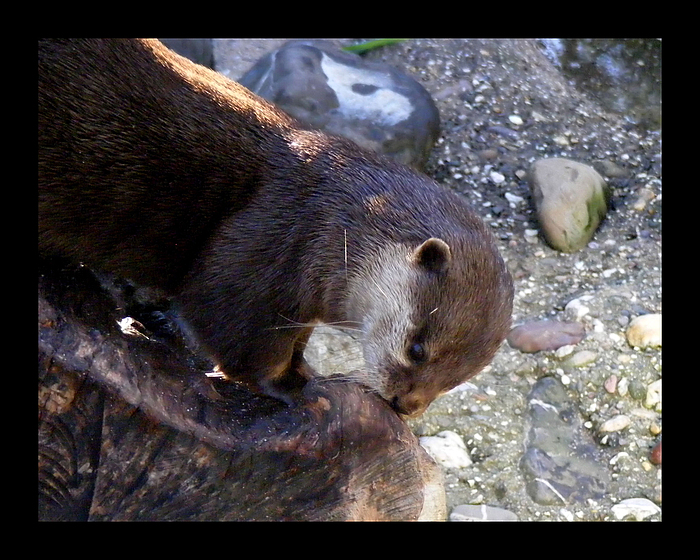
<point x="566" y="514"/>
<point x="640" y="508"/>
<point x="513" y="198"/>
<point x="497" y="177"/>
<point x="616" y="423"/>
<point x="515" y="119"/>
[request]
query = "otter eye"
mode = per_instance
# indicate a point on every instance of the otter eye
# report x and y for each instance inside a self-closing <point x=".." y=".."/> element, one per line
<point x="417" y="353"/>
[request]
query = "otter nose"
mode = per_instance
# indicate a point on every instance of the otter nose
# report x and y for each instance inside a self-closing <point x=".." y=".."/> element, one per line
<point x="409" y="405"/>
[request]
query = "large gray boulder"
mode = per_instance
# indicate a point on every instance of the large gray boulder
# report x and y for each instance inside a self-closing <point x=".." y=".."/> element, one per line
<point x="371" y="103"/>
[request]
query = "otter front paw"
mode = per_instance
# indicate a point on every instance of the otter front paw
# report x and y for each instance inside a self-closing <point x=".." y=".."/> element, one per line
<point x="288" y="385"/>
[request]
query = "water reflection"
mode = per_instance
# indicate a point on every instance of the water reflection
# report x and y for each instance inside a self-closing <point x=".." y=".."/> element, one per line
<point x="624" y="75"/>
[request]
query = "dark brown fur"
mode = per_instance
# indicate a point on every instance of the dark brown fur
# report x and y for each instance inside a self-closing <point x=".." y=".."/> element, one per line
<point x="162" y="171"/>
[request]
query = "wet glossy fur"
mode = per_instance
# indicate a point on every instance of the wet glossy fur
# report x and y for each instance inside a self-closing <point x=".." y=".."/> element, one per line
<point x="167" y="173"/>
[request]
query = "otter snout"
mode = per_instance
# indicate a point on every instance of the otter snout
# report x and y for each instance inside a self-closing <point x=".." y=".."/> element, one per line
<point x="410" y="405"/>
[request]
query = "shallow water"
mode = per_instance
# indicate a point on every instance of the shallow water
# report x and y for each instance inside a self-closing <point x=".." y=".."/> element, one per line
<point x="624" y="75"/>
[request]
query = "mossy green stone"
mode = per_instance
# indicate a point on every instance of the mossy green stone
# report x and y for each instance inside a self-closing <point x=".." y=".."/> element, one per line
<point x="571" y="201"/>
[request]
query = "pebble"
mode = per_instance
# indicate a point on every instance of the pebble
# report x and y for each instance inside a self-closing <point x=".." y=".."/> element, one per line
<point x="504" y="131"/>
<point x="564" y="351"/>
<point x="623" y="358"/>
<point x="640" y="508"/>
<point x="448" y="449"/>
<point x="644" y="196"/>
<point x="456" y="89"/>
<point x="582" y="358"/>
<point x="655" y="456"/>
<point x="531" y="236"/>
<point x="620" y="455"/>
<point x="653" y="396"/>
<point x="616" y="423"/>
<point x="645" y="331"/>
<point x="566" y="514"/>
<point x="513" y="198"/>
<point x="623" y="386"/>
<point x="610" y="384"/>
<point x="545" y="335"/>
<point x="469" y="512"/>
<point x="637" y="390"/>
<point x="488" y="154"/>
<point x="497" y="177"/>
<point x="576" y="309"/>
<point x="515" y="119"/>
<point x="644" y="413"/>
<point x="611" y="169"/>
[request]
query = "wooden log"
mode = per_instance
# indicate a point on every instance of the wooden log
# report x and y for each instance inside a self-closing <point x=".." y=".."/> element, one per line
<point x="129" y="429"/>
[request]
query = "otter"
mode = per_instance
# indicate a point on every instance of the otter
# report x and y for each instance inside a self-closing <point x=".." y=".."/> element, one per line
<point x="164" y="172"/>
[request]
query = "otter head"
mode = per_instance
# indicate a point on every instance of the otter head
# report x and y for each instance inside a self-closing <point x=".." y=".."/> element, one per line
<point x="433" y="315"/>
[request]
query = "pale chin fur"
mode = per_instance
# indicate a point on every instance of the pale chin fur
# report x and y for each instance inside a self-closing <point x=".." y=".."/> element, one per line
<point x="380" y="300"/>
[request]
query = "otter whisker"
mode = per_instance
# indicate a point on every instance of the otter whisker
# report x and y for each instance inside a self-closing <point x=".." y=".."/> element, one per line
<point x="293" y="325"/>
<point x="358" y="377"/>
<point x="297" y="326"/>
<point x="340" y="325"/>
<point x="381" y="291"/>
<point x="345" y="246"/>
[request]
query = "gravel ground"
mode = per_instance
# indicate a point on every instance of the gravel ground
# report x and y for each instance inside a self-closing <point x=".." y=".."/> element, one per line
<point x="504" y="104"/>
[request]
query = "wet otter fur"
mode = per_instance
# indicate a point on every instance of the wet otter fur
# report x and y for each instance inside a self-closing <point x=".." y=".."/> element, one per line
<point x="164" y="172"/>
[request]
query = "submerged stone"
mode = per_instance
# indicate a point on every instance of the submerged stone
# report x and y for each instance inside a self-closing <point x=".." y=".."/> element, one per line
<point x="561" y="463"/>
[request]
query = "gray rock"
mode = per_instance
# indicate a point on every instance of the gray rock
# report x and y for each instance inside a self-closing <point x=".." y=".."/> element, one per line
<point x="448" y="449"/>
<point x="561" y="463"/>
<point x="200" y="51"/>
<point x="371" y="103"/>
<point x="639" y="508"/>
<point x="610" y="169"/>
<point x="653" y="396"/>
<point x="468" y="512"/>
<point x="576" y="309"/>
<point x="570" y="199"/>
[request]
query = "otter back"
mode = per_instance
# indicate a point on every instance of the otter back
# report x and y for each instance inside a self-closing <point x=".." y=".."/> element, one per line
<point x="162" y="171"/>
<point x="141" y="154"/>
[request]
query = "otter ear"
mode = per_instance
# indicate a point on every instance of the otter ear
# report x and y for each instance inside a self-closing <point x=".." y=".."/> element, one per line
<point x="433" y="255"/>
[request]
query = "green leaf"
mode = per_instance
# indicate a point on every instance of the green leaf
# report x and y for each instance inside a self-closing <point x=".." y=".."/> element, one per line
<point x="369" y="45"/>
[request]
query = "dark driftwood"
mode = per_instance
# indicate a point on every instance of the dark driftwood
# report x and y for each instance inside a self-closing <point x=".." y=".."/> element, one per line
<point x="129" y="429"/>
